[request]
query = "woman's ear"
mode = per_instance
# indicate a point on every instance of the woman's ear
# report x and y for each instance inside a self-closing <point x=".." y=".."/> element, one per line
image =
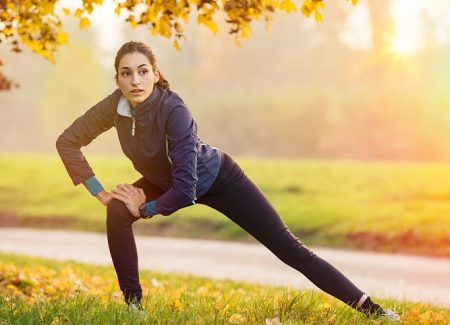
<point x="156" y="76"/>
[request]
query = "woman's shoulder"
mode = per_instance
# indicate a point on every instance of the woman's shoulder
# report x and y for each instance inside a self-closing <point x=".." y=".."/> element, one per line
<point x="115" y="96"/>
<point x="171" y="99"/>
<point x="110" y="101"/>
<point x="107" y="105"/>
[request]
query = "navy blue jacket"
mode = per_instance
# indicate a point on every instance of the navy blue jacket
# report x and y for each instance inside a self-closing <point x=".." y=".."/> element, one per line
<point x="164" y="148"/>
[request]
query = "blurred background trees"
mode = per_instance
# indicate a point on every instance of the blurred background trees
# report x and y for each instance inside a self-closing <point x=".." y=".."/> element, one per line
<point x="360" y="85"/>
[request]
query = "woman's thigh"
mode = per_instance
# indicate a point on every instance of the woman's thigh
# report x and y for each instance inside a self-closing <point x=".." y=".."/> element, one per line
<point x="250" y="209"/>
<point x="241" y="200"/>
<point x="152" y="192"/>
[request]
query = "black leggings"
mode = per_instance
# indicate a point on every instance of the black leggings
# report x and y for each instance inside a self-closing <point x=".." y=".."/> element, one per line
<point x="238" y="198"/>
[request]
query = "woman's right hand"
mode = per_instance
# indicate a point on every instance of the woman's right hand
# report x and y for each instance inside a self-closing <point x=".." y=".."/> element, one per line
<point x="104" y="197"/>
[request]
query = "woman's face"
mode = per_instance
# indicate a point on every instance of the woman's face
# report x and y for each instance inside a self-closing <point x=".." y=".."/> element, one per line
<point x="136" y="77"/>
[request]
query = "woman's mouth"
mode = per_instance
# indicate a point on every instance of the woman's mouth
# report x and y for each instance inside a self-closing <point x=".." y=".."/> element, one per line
<point x="136" y="91"/>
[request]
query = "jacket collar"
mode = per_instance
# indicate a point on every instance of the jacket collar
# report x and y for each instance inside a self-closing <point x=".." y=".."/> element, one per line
<point x="124" y="108"/>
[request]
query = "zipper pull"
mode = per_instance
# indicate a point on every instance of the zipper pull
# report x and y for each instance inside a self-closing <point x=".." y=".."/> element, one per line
<point x="133" y="127"/>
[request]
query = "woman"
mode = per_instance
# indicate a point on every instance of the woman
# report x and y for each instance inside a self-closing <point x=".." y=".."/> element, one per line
<point x="157" y="132"/>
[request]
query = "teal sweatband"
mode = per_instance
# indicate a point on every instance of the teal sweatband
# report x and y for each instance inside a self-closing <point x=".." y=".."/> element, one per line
<point x="150" y="209"/>
<point x="93" y="185"/>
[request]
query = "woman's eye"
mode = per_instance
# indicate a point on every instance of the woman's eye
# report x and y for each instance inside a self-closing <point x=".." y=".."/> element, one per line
<point x="125" y="74"/>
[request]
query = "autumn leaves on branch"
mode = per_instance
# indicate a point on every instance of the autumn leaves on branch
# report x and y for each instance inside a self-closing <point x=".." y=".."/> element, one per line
<point x="5" y="83"/>
<point x="37" y="23"/>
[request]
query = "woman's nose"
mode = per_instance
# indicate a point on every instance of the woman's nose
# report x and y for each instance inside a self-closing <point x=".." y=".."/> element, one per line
<point x="135" y="80"/>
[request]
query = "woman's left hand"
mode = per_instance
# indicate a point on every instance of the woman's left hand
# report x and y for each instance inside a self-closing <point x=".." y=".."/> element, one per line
<point x="132" y="196"/>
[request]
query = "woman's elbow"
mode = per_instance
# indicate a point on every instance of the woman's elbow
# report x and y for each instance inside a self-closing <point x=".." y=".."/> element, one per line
<point x="64" y="143"/>
<point x="60" y="143"/>
<point x="189" y="196"/>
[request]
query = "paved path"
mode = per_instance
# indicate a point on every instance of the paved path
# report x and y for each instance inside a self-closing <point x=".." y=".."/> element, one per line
<point x="381" y="275"/>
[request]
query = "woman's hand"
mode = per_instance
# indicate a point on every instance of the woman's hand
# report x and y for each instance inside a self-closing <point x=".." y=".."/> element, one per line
<point x="104" y="197"/>
<point x="132" y="196"/>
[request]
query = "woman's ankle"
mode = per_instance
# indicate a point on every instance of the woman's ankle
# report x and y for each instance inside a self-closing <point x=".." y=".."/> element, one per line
<point x="133" y="297"/>
<point x="365" y="305"/>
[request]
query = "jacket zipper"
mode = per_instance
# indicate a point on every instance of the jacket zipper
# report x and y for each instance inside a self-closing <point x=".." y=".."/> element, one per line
<point x="133" y="125"/>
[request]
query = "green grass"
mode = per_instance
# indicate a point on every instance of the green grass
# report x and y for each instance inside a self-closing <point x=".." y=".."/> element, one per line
<point x="386" y="206"/>
<point x="44" y="291"/>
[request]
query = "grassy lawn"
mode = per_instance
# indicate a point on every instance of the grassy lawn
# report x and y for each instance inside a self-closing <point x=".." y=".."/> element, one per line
<point x="44" y="291"/>
<point x="385" y="206"/>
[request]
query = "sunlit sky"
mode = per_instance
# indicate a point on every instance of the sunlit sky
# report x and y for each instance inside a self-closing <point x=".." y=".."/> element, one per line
<point x="408" y="34"/>
<point x="408" y="37"/>
<point x="409" y="24"/>
<point x="407" y="14"/>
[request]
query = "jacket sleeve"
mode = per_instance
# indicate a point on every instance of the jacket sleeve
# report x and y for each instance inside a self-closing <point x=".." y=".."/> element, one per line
<point x="81" y="132"/>
<point x="181" y="132"/>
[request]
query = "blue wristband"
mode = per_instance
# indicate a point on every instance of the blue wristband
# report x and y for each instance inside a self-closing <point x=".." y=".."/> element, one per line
<point x="150" y="209"/>
<point x="93" y="185"/>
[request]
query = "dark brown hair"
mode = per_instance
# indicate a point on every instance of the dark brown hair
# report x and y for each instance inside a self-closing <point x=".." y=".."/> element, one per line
<point x="131" y="47"/>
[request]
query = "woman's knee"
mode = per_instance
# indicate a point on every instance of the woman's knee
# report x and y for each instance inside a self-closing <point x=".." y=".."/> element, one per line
<point x="290" y="249"/>
<point x="118" y="213"/>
